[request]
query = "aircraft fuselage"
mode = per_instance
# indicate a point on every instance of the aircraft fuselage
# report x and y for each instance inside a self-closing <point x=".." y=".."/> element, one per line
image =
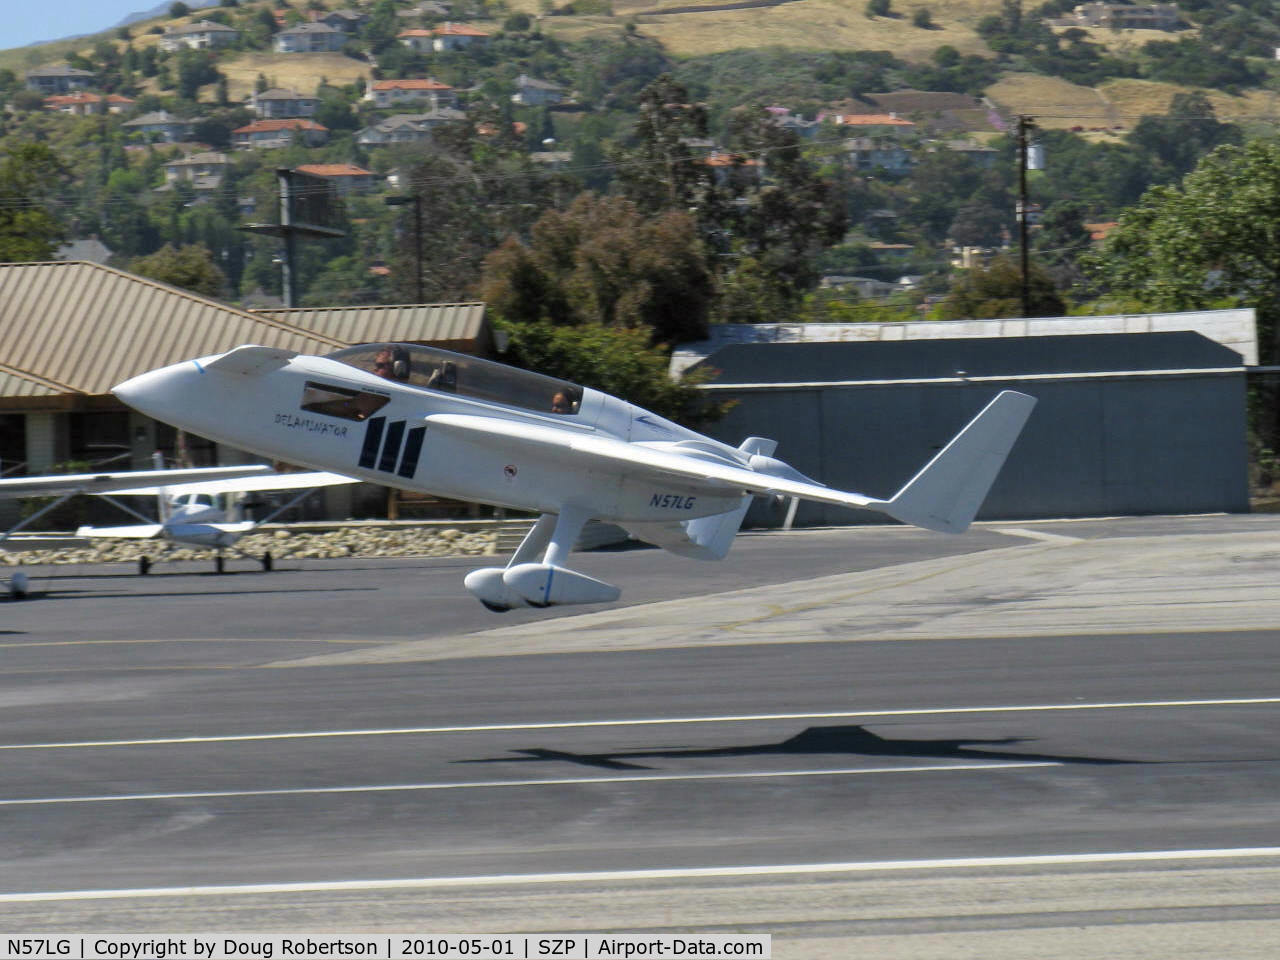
<point x="329" y="415"/>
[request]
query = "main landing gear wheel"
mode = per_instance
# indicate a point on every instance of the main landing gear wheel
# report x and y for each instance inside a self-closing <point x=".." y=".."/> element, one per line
<point x="218" y="563"/>
<point x="144" y="565"/>
<point x="266" y="561"/>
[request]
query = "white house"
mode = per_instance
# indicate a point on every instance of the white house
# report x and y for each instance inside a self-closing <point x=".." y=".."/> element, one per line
<point x="58" y="78"/>
<point x="278" y="102"/>
<point x="386" y="93"/>
<point x="205" y="35"/>
<point x="309" y="38"/>
<point x="160" y="125"/>
<point x="531" y="92"/>
<point x="456" y="36"/>
<point x="204" y="171"/>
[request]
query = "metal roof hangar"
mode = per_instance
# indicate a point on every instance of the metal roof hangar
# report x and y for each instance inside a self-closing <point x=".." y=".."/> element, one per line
<point x="1127" y="423"/>
<point x="69" y="331"/>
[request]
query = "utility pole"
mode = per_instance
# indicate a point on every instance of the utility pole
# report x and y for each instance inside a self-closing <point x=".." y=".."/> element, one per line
<point x="308" y="212"/>
<point x="1025" y="124"/>
<point x="416" y="200"/>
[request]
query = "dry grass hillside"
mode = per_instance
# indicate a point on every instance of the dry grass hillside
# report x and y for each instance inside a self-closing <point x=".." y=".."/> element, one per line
<point x="1115" y="106"/>
<point x="718" y="26"/>
<point x="294" y="71"/>
<point x="799" y="24"/>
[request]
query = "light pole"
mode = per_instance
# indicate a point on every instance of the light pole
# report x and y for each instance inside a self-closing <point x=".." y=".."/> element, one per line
<point x="399" y="201"/>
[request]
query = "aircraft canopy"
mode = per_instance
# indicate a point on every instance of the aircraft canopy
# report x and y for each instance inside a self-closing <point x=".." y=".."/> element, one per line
<point x="466" y="376"/>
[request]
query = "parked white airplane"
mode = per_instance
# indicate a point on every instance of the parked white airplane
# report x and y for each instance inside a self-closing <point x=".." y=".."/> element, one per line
<point x="425" y="419"/>
<point x="189" y="515"/>
<point x="66" y="485"/>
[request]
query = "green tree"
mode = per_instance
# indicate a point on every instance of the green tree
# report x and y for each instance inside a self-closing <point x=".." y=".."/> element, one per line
<point x="190" y="267"/>
<point x="878" y="8"/>
<point x="1209" y="241"/>
<point x="30" y="174"/>
<point x="602" y="261"/>
<point x="996" y="291"/>
<point x="663" y="171"/>
<point x="784" y="211"/>
<point x="1176" y="142"/>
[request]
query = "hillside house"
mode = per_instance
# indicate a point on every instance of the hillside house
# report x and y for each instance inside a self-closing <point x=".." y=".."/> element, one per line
<point x="346" y="20"/>
<point x="83" y="104"/>
<point x="733" y="168"/>
<point x="204" y="171"/>
<point x="58" y="78"/>
<point x="278" y="102"/>
<point x="407" y="127"/>
<point x="205" y="35"/>
<point x="428" y="9"/>
<point x="870" y="124"/>
<point x="309" y="38"/>
<point x="387" y="93"/>
<point x="447" y="36"/>
<point x="161" y="126"/>
<point x="866" y="154"/>
<point x="532" y="92"/>
<point x="1124" y="16"/>
<point x="272" y="134"/>
<point x="457" y="36"/>
<point x="346" y="177"/>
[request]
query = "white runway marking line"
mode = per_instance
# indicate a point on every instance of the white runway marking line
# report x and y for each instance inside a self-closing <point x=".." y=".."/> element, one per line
<point x="685" y="873"/>
<point x="641" y="722"/>
<point x="1043" y="535"/>
<point x="493" y="784"/>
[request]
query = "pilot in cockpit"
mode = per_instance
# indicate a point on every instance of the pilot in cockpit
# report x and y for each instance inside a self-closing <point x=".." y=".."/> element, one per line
<point x="561" y="403"/>
<point x="444" y="377"/>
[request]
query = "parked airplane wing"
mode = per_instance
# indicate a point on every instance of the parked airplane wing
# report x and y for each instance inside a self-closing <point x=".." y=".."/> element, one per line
<point x="70" y="483"/>
<point x="945" y="495"/>
<point x="271" y="481"/>
<point x="139" y="531"/>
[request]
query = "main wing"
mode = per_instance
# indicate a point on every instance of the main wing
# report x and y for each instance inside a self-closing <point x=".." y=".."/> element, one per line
<point x="945" y="495"/>
<point x="640" y="457"/>
<point x="71" y="483"/>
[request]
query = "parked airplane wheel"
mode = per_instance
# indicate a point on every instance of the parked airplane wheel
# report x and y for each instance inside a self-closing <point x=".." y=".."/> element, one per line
<point x="266" y="561"/>
<point x="217" y="563"/>
<point x="144" y="565"/>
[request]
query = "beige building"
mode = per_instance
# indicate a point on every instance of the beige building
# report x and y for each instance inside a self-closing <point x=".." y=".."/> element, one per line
<point x="70" y="331"/>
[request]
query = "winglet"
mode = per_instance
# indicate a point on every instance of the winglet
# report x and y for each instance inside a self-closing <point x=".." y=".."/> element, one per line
<point x="946" y="494"/>
<point x="251" y="361"/>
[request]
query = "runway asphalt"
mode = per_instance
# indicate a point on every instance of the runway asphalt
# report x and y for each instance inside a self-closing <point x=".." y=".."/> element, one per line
<point x="1034" y="740"/>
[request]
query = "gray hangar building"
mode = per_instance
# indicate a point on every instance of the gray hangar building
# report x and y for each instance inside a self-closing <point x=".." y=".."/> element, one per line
<point x="1127" y="423"/>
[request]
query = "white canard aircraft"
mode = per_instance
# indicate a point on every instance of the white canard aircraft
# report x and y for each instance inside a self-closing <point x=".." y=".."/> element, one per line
<point x="457" y="426"/>
<point x="188" y="514"/>
<point x="63" y="486"/>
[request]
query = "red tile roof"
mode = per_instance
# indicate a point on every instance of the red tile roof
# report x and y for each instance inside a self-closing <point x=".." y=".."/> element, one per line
<point x="293" y="123"/>
<point x="334" y="170"/>
<point x="457" y="30"/>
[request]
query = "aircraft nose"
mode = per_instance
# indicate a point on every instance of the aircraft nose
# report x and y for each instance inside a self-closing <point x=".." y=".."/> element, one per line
<point x="156" y="391"/>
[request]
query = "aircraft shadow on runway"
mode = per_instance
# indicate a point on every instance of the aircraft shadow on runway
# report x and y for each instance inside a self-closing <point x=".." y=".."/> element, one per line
<point x="850" y="740"/>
